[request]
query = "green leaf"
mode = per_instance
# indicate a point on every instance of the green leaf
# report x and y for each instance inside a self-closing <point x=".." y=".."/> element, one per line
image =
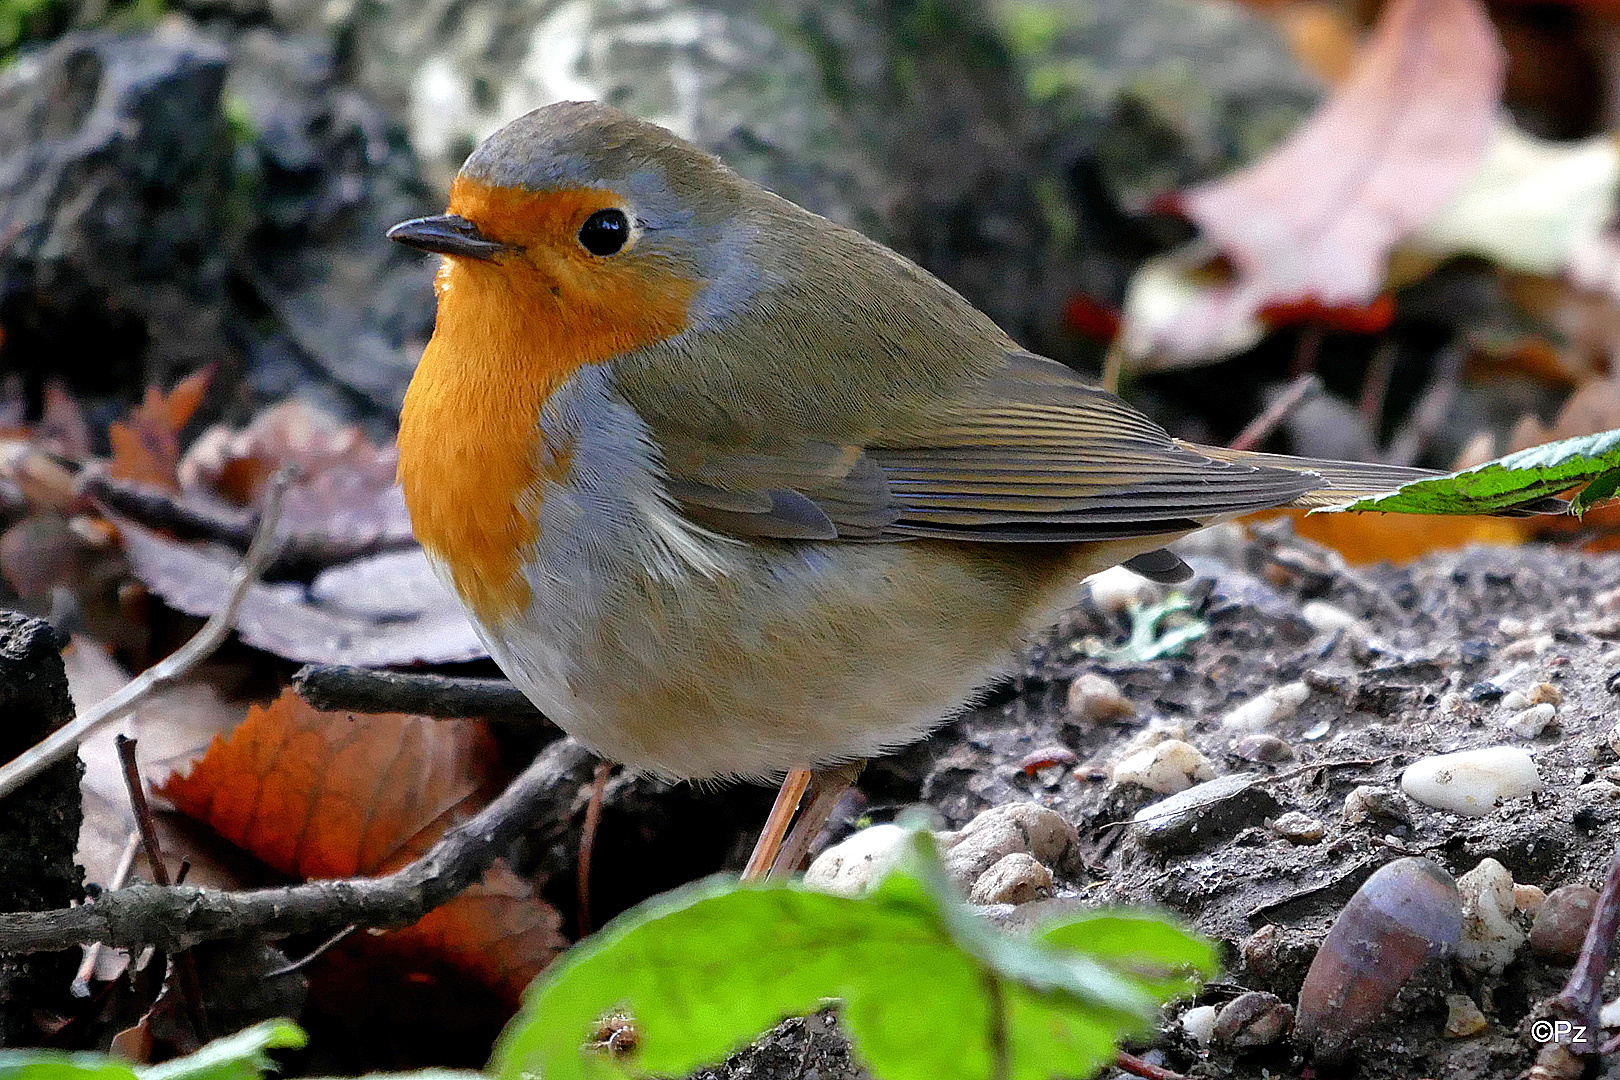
<point x="55" y="1065"/>
<point x="1511" y="481"/>
<point x="235" y="1057"/>
<point x="929" y="990"/>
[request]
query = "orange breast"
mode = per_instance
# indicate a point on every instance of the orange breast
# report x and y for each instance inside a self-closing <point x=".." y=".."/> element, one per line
<point x="472" y="451"/>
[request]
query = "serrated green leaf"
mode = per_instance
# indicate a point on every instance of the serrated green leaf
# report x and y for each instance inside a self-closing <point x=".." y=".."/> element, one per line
<point x="234" y="1057"/>
<point x="1506" y="482"/>
<point x="929" y="991"/>
<point x="1599" y="490"/>
<point x="1165" y="958"/>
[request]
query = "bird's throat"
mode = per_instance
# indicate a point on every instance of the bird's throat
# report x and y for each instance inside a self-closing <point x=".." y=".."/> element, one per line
<point x="473" y="454"/>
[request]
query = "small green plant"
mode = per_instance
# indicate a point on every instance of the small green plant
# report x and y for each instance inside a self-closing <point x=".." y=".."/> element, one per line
<point x="236" y="1057"/>
<point x="929" y="991"/>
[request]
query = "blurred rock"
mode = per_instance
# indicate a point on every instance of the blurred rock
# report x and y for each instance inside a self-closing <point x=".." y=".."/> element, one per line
<point x="1143" y="97"/>
<point x="352" y="311"/>
<point x="115" y="164"/>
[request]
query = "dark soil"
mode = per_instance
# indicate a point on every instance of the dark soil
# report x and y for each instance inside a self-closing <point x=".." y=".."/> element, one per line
<point x="1437" y="646"/>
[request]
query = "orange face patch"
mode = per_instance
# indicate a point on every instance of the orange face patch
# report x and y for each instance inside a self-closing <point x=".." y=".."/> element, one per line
<point x="509" y="332"/>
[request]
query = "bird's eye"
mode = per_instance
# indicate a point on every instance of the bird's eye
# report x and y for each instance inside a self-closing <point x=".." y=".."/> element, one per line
<point x="605" y="232"/>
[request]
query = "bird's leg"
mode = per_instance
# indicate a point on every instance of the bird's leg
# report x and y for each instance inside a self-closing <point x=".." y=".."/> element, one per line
<point x="827" y="786"/>
<point x="776" y="824"/>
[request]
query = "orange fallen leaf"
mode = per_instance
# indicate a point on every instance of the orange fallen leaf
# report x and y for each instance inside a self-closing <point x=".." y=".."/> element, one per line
<point x="146" y="443"/>
<point x="1317" y="218"/>
<point x="326" y="795"/>
<point x="1400" y="538"/>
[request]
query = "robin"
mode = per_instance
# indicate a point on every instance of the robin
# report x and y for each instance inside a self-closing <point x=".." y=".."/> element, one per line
<point x="730" y="490"/>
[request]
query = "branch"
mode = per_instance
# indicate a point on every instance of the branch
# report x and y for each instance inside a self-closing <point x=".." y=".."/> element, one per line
<point x="179" y="917"/>
<point x="341" y="688"/>
<point x="66" y="739"/>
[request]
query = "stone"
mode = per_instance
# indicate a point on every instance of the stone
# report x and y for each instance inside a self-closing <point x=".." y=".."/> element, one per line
<point x="1028" y="828"/>
<point x="1015" y="878"/>
<point x="856" y="864"/>
<point x="1214" y="809"/>
<point x="1471" y="782"/>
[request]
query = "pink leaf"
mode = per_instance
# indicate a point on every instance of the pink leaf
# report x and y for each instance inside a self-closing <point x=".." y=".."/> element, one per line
<point x="1316" y="219"/>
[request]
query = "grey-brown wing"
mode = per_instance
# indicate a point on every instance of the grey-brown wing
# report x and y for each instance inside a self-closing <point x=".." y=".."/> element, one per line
<point x="1032" y="455"/>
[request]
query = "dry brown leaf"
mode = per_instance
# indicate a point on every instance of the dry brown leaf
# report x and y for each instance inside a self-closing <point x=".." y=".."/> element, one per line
<point x="146" y="444"/>
<point x="1316" y="219"/>
<point x="376" y="611"/>
<point x="344" y="488"/>
<point x="171" y="728"/>
<point x="323" y="795"/>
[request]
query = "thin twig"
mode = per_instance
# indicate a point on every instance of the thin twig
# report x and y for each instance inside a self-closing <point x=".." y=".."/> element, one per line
<point x="1375" y="387"/>
<point x="587" y="844"/>
<point x="342" y="688"/>
<point x="320" y="950"/>
<point x="1582" y="997"/>
<point x="181" y="916"/>
<point x="80" y="987"/>
<point x="62" y="742"/>
<point x="185" y="964"/>
<point x="142" y="809"/>
<point x="1301" y="390"/>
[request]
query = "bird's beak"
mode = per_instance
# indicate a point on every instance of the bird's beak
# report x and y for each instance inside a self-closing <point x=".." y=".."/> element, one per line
<point x="446" y="234"/>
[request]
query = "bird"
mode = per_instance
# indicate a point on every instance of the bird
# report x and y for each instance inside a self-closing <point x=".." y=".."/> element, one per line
<point x="732" y="491"/>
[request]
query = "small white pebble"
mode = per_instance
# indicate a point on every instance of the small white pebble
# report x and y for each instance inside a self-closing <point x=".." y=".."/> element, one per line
<point x="1116" y="589"/>
<point x="853" y="866"/>
<point x="1097" y="700"/>
<point x="1298" y="828"/>
<point x="1276" y="705"/>
<point x="1167" y="768"/>
<point x="1471" y="782"/>
<point x="1514" y="700"/>
<point x="1015" y="878"/>
<point x="1530" y="646"/>
<point x="1199" y="1023"/>
<point x="1528" y="899"/>
<point x="1607" y="602"/>
<point x="1327" y="618"/>
<point x="1156" y="732"/>
<point x="1489" y="938"/>
<point x="1370" y="803"/>
<point x="1531" y="722"/>
<point x="1614" y="738"/>
<point x="1512" y="626"/>
<point x="1001" y="830"/>
<point x="1609" y="1015"/>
